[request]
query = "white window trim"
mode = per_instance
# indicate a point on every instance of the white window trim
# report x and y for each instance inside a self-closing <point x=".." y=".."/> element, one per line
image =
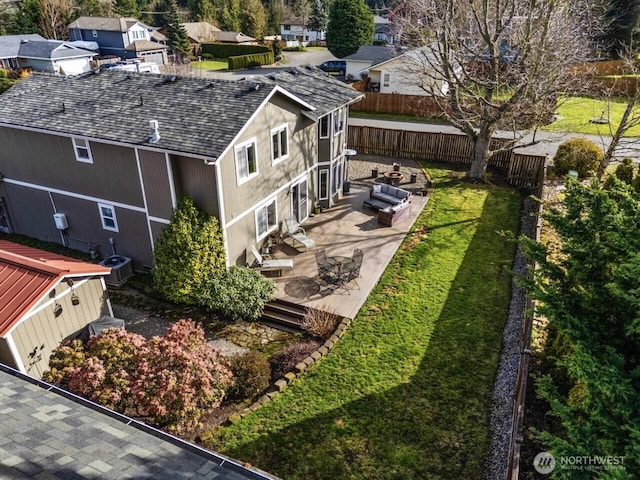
<point x="339" y="114"/>
<point x="274" y="131"/>
<point x="86" y="146"/>
<point x="113" y="217"/>
<point x="329" y="118"/>
<point x="265" y="204"/>
<point x="239" y="147"/>
<point x="323" y="172"/>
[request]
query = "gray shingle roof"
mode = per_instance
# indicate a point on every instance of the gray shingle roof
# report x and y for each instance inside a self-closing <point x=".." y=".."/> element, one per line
<point x="48" y="435"/>
<point x="316" y="87"/>
<point x="375" y="53"/>
<point x="51" y="50"/>
<point x="195" y="116"/>
<point x="144" y="45"/>
<point x="109" y="24"/>
<point x="10" y="44"/>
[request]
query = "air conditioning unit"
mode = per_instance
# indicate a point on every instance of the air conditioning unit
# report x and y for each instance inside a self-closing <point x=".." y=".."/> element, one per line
<point x="121" y="269"/>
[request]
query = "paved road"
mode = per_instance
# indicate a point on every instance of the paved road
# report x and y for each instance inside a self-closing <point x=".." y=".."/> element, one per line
<point x="547" y="142"/>
<point x="291" y="59"/>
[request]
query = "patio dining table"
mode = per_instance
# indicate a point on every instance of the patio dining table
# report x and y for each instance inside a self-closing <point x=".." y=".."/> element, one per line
<point x="341" y="268"/>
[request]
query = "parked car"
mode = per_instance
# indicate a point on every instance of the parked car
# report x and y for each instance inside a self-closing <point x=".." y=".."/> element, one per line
<point x="334" y="66"/>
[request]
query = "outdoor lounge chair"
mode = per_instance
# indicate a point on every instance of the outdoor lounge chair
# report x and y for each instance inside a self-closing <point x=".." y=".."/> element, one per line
<point x="291" y="228"/>
<point x="270" y="265"/>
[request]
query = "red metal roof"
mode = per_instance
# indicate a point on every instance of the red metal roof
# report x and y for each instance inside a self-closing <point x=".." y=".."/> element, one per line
<point x="27" y="273"/>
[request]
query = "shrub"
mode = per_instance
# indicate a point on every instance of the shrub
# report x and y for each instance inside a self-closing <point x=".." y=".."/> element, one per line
<point x="207" y="56"/>
<point x="251" y="375"/>
<point x="320" y="323"/>
<point x="239" y="293"/>
<point x="255" y="59"/>
<point x="190" y="250"/>
<point x="577" y="154"/>
<point x="172" y="380"/>
<point x="286" y="360"/>
<point x="624" y="171"/>
<point x="226" y="50"/>
<point x="295" y="49"/>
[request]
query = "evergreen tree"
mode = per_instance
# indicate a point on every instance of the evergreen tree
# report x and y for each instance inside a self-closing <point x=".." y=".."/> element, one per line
<point x="275" y="15"/>
<point x="126" y="8"/>
<point x="253" y="19"/>
<point x="27" y="18"/>
<point x="201" y="10"/>
<point x="230" y="17"/>
<point x="177" y="35"/>
<point x="317" y="16"/>
<point x="589" y="290"/>
<point x="350" y="26"/>
<point x="619" y="36"/>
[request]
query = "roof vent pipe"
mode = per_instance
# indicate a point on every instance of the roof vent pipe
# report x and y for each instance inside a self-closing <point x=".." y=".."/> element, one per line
<point x="155" y="136"/>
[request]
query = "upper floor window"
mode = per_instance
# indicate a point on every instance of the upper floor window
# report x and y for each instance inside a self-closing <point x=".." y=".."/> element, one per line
<point x="82" y="149"/>
<point x="138" y="34"/>
<point x="279" y="143"/>
<point x="324" y="127"/>
<point x="246" y="161"/>
<point x="287" y="27"/>
<point x="266" y="219"/>
<point x="386" y="79"/>
<point x="108" y="217"/>
<point x="338" y="121"/>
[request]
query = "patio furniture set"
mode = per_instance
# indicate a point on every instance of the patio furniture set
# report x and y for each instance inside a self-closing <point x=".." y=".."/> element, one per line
<point x="338" y="272"/>
<point x="393" y="204"/>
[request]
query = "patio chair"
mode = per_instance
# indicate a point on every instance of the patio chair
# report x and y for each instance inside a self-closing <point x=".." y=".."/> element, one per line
<point x="291" y="228"/>
<point x="271" y="264"/>
<point x="354" y="269"/>
<point x="326" y="269"/>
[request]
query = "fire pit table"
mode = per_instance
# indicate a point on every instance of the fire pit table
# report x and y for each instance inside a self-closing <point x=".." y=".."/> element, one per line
<point x="393" y="178"/>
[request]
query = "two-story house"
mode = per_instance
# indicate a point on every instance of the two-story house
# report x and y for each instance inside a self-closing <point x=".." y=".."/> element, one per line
<point x="114" y="151"/>
<point x="295" y="29"/>
<point x="126" y="38"/>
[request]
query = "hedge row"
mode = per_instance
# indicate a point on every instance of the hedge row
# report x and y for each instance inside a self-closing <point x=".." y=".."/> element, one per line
<point x="225" y="50"/>
<point x="251" y="61"/>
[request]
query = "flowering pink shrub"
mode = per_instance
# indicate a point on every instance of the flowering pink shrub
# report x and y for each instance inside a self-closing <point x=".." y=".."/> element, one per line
<point x="179" y="377"/>
<point x="172" y="380"/>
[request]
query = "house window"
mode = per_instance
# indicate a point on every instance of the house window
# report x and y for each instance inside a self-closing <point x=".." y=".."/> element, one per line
<point x="94" y="33"/>
<point x="279" y="143"/>
<point x="138" y="34"/>
<point x="323" y="190"/>
<point x="338" y="121"/>
<point x="324" y="127"/>
<point x="82" y="149"/>
<point x="287" y="27"/>
<point x="266" y="219"/>
<point x="385" y="81"/>
<point x="246" y="161"/>
<point x="108" y="217"/>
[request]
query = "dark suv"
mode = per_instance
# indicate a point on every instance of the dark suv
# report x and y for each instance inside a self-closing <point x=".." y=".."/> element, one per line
<point x="334" y="66"/>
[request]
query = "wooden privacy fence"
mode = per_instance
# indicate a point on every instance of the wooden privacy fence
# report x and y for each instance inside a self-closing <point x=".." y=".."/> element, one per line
<point x="398" y="103"/>
<point x="525" y="171"/>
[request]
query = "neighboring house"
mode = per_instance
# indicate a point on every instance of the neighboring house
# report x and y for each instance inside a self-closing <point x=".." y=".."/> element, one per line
<point x="10" y="47"/>
<point x="45" y="298"/>
<point x="121" y="148"/>
<point x="384" y="30"/>
<point x="294" y="29"/>
<point x="54" y="57"/>
<point x="199" y="33"/>
<point x="238" y="38"/>
<point x="126" y="38"/>
<point x="368" y="55"/>
<point x="407" y="74"/>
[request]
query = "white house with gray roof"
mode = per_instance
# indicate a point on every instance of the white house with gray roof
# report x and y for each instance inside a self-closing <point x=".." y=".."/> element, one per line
<point x="114" y="151"/>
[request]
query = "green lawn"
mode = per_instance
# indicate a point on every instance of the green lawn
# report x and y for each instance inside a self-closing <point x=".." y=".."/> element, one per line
<point x="406" y="394"/>
<point x="210" y="64"/>
<point x="575" y="112"/>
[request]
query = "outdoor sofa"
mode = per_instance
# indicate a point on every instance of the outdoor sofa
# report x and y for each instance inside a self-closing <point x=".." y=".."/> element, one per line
<point x="392" y="203"/>
<point x="389" y="194"/>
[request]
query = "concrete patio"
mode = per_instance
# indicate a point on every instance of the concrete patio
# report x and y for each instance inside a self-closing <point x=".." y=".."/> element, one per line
<point x="344" y="227"/>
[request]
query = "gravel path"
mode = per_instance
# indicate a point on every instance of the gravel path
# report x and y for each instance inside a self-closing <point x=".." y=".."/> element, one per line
<point x="501" y="422"/>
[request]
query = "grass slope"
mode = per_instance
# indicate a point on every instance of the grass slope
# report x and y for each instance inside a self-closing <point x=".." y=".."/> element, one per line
<point x="406" y="394"/>
<point x="210" y="65"/>
<point x="575" y="112"/>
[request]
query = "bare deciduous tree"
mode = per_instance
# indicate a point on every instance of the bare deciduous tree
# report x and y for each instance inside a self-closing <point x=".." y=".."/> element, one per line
<point x="55" y="16"/>
<point x="504" y="62"/>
